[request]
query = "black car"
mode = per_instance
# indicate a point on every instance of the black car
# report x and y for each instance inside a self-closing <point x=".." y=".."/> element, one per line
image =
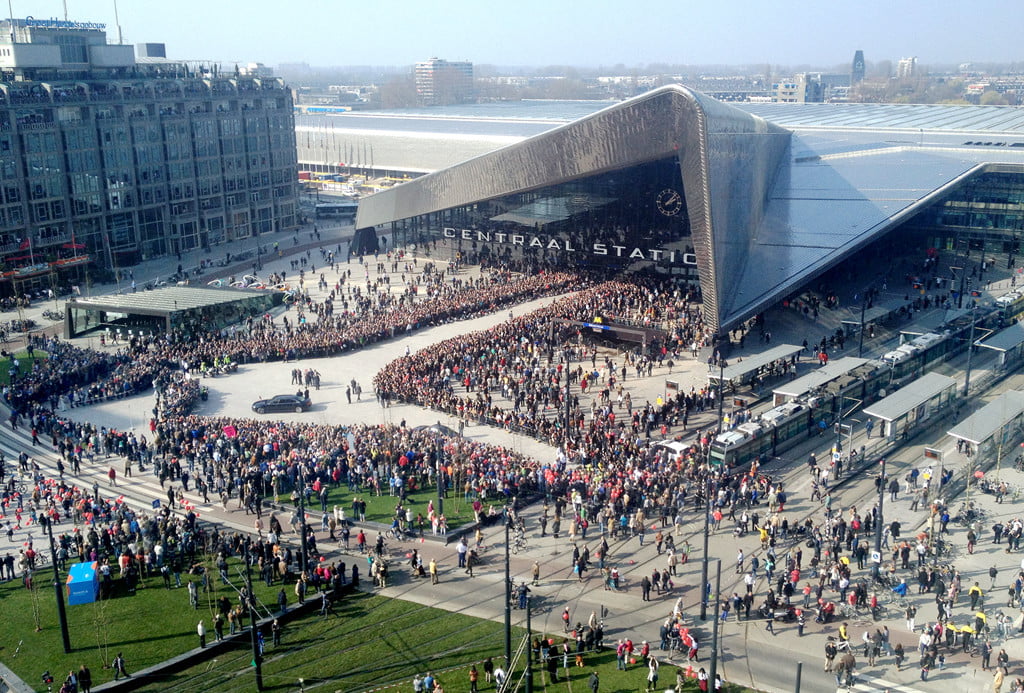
<point x="295" y="403"/>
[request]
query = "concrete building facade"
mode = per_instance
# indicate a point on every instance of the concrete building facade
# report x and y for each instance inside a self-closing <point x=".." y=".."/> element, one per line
<point x="106" y="160"/>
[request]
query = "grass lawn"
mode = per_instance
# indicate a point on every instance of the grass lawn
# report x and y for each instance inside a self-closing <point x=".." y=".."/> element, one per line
<point x="380" y="644"/>
<point x="457" y="510"/>
<point x="24" y="364"/>
<point x="148" y="627"/>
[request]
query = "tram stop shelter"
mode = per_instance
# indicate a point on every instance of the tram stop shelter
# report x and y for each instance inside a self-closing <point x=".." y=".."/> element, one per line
<point x="158" y="311"/>
<point x="912" y="405"/>
<point x="932" y="321"/>
<point x="818" y="378"/>
<point x="993" y="426"/>
<point x="739" y="373"/>
<point x="1009" y="342"/>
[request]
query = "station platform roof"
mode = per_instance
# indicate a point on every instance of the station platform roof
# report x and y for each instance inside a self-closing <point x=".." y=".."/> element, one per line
<point x="816" y="378"/>
<point x="910" y="397"/>
<point x="983" y="424"/>
<point x="1006" y="339"/>
<point x="752" y="363"/>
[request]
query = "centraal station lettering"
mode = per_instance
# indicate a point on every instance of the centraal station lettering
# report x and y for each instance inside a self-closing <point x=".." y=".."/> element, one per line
<point x="565" y="245"/>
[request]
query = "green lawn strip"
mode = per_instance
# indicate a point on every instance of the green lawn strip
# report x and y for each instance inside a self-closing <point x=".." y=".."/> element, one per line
<point x="380" y="644"/>
<point x="24" y="364"/>
<point x="148" y="627"/>
<point x="457" y="510"/>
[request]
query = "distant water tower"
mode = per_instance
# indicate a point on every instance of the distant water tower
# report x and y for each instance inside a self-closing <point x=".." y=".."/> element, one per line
<point x="857" y="73"/>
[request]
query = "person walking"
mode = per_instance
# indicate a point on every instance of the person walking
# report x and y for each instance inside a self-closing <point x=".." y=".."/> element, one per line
<point x="201" y="632"/>
<point x="433" y="571"/>
<point x="119" y="667"/>
<point x="84" y="679"/>
<point x="594" y="682"/>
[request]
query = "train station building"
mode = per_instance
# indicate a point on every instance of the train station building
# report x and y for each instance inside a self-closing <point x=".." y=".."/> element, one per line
<point x="753" y="201"/>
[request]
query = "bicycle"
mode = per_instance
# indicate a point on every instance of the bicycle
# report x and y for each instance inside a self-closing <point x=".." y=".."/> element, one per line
<point x="898" y="600"/>
<point x="518" y="544"/>
<point x="396" y="533"/>
<point x="847" y="611"/>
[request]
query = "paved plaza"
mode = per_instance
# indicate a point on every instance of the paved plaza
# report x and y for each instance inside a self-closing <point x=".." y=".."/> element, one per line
<point x="750" y="654"/>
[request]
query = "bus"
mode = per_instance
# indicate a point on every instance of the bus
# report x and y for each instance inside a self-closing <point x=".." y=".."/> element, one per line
<point x="336" y="210"/>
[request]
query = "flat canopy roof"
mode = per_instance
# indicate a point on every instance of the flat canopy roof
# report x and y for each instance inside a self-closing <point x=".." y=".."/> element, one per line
<point x="987" y="421"/>
<point x="933" y="320"/>
<point x="1006" y="339"/>
<point x="820" y="376"/>
<point x="910" y="397"/>
<point x="870" y="314"/>
<point x="163" y="301"/>
<point x="752" y="363"/>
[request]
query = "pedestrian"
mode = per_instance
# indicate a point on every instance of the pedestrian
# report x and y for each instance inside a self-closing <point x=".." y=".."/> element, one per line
<point x="201" y="632"/>
<point x="119" y="667"/>
<point x="474" y="675"/>
<point x="84" y="679"/>
<point x="594" y="682"/>
<point x="770" y="624"/>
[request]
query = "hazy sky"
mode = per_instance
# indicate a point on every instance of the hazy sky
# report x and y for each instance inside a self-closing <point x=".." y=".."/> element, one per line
<point x="547" y="32"/>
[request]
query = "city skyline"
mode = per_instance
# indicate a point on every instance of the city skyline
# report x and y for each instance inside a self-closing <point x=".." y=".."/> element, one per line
<point x="538" y="34"/>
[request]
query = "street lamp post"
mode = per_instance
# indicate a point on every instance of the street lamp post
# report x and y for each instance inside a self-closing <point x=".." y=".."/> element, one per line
<point x="714" y="626"/>
<point x="568" y="404"/>
<point x="508" y="594"/>
<point x="529" y="649"/>
<point x="440" y="476"/>
<point x="302" y="520"/>
<point x="881" y="521"/>
<point x="708" y="488"/>
<point x="863" y="310"/>
<point x="970" y="351"/>
<point x="257" y="657"/>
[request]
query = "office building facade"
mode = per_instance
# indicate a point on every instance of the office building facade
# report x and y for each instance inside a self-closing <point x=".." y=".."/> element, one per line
<point x="441" y="83"/>
<point x="106" y="161"/>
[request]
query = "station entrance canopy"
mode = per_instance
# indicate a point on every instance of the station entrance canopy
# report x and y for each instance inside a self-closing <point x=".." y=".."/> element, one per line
<point x="188" y="308"/>
<point x="676" y="182"/>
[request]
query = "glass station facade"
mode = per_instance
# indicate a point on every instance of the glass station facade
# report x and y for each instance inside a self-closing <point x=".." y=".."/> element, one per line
<point x="632" y="218"/>
<point x="986" y="213"/>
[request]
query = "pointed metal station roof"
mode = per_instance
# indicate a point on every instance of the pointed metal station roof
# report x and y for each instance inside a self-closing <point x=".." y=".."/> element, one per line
<point x="770" y="208"/>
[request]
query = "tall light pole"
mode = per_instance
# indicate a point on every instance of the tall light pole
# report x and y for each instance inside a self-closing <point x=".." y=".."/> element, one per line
<point x="257" y="657"/>
<point x="302" y="519"/>
<point x="714" y="627"/>
<point x="881" y="521"/>
<point x="568" y="404"/>
<point x="970" y="351"/>
<point x="708" y="488"/>
<point x="529" y="649"/>
<point x="508" y="594"/>
<point x="439" y="451"/>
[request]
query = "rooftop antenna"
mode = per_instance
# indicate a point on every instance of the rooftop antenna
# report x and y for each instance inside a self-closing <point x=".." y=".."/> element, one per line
<point x="65" y="10"/>
<point x="118" y="22"/>
<point x="10" y="12"/>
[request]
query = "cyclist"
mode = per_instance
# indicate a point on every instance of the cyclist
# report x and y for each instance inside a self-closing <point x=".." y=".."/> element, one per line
<point x="901" y="589"/>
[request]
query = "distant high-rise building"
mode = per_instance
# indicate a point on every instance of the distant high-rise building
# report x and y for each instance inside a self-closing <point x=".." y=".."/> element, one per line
<point x="112" y="159"/>
<point x="857" y="73"/>
<point x="906" y="68"/>
<point x="439" y="82"/>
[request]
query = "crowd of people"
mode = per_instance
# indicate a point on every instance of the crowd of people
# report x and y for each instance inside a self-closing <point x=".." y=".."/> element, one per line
<point x="514" y="375"/>
<point x="522" y="375"/>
